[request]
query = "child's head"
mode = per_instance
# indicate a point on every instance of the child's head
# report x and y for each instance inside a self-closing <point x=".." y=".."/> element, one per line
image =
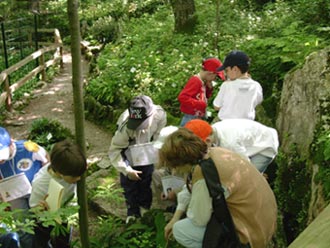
<point x="236" y="59"/>
<point x="182" y="149"/>
<point x="5" y="143"/>
<point x="68" y="160"/>
<point x="210" y="65"/>
<point x="140" y="110"/>
<point x="202" y="129"/>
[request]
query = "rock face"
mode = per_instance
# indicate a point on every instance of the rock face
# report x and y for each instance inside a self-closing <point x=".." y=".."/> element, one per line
<point x="304" y="91"/>
<point x="299" y="110"/>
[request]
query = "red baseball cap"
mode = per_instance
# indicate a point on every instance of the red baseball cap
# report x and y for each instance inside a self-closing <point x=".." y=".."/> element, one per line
<point x="212" y="64"/>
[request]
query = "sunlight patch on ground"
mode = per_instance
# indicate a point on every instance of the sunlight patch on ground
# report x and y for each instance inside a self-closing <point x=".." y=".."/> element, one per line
<point x="50" y="92"/>
<point x="28" y="118"/>
<point x="57" y="110"/>
<point x="67" y="58"/>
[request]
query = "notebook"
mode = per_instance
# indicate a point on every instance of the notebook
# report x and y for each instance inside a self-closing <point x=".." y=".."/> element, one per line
<point x="55" y="194"/>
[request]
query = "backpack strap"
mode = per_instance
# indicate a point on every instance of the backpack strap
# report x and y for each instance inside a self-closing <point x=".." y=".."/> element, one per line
<point x="219" y="203"/>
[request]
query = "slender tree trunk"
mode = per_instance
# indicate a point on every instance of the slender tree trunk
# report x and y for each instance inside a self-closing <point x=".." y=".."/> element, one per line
<point x="184" y="15"/>
<point x="77" y="84"/>
<point x="217" y="26"/>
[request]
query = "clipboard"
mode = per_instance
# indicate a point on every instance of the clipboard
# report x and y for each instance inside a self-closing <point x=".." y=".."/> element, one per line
<point x="14" y="187"/>
<point x="171" y="182"/>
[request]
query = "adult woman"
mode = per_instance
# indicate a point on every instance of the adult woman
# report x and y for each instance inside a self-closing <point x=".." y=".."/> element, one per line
<point x="249" y="198"/>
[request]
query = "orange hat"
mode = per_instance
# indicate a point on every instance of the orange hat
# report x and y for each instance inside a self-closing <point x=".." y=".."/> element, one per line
<point x="199" y="127"/>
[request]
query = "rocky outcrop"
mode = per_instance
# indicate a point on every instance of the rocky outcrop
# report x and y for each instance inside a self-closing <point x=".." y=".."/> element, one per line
<point x="299" y="110"/>
<point x="305" y="91"/>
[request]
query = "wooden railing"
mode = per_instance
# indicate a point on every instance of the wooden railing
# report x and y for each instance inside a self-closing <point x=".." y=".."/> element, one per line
<point x="57" y="46"/>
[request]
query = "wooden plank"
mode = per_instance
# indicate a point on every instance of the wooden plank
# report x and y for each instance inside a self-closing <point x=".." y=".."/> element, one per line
<point x="26" y="78"/>
<point x="317" y="234"/>
<point x="26" y="60"/>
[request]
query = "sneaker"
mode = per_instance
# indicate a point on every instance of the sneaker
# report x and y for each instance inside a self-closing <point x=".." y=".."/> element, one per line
<point x="130" y="219"/>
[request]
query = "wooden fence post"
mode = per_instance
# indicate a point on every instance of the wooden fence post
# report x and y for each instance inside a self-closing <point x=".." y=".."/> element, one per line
<point x="9" y="106"/>
<point x="43" y="72"/>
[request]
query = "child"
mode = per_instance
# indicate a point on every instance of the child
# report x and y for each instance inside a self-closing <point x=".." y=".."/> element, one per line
<point x="252" y="140"/>
<point x="132" y="153"/>
<point x="17" y="156"/>
<point x="67" y="165"/>
<point x="193" y="98"/>
<point x="239" y="96"/>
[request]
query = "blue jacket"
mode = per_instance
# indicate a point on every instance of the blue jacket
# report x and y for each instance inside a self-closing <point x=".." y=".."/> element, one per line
<point x="21" y="162"/>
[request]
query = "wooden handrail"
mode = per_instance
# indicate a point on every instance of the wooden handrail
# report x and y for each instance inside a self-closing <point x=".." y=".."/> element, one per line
<point x="6" y="97"/>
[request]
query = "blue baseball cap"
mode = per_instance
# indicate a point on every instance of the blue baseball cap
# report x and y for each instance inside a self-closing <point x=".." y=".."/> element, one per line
<point x="235" y="58"/>
<point x="5" y="141"/>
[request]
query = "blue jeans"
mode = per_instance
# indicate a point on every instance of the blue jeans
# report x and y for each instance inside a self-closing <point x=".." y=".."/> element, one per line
<point x="187" y="118"/>
<point x="261" y="162"/>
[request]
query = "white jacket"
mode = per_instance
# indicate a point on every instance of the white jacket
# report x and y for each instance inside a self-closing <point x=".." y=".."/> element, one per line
<point x="125" y="137"/>
<point x="246" y="137"/>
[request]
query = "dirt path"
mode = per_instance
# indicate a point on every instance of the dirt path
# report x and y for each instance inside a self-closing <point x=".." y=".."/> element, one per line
<point x="55" y="101"/>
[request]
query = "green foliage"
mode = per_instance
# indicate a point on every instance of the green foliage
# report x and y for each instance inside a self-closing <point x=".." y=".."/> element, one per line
<point x="312" y="13"/>
<point x="109" y="192"/>
<point x="292" y="189"/>
<point x="102" y="20"/>
<point x="253" y="4"/>
<point x="320" y="148"/>
<point x="46" y="132"/>
<point x="157" y="62"/>
<point x="67" y="214"/>
<point x="156" y="69"/>
<point x="105" y="29"/>
<point x="19" y="220"/>
<point x="15" y="220"/>
<point x="147" y="232"/>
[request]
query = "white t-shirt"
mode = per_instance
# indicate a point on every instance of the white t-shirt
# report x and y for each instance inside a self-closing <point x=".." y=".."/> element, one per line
<point x="246" y="137"/>
<point x="238" y="99"/>
<point x="40" y="185"/>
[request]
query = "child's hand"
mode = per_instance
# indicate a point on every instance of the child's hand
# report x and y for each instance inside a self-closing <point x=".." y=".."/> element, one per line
<point x="134" y="175"/>
<point x="163" y="197"/>
<point x="170" y="196"/>
<point x="209" y="84"/>
<point x="43" y="204"/>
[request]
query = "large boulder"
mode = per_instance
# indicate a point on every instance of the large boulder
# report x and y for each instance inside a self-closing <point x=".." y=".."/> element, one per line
<point x="301" y="113"/>
<point x="299" y="110"/>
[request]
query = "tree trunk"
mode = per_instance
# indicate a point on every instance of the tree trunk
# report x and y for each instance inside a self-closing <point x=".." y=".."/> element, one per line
<point x="217" y="26"/>
<point x="77" y="85"/>
<point x="184" y="15"/>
